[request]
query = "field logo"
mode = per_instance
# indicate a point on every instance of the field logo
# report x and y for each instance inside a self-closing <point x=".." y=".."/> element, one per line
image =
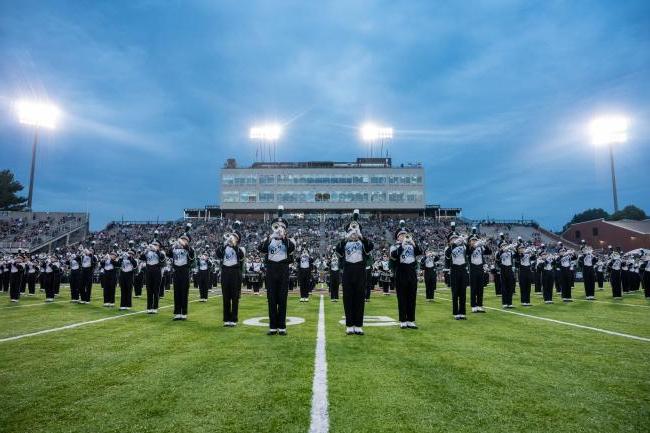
<point x="375" y="321"/>
<point x="264" y="321"/>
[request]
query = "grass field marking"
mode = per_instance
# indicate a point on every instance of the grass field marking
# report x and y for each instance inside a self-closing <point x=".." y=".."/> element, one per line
<point x="614" y="303"/>
<point x="78" y="324"/>
<point x="320" y="422"/>
<point x="34" y="305"/>
<point x="575" y="325"/>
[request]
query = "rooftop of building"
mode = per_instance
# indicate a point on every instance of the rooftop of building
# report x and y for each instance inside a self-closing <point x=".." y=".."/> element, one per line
<point x="359" y="163"/>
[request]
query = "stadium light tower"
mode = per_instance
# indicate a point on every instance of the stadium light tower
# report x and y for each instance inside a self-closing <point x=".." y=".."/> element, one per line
<point x="371" y="134"/>
<point x="609" y="130"/>
<point x="266" y="135"/>
<point x="39" y="115"/>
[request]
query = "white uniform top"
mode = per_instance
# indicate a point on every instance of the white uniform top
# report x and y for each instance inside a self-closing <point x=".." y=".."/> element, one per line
<point x="277" y="250"/>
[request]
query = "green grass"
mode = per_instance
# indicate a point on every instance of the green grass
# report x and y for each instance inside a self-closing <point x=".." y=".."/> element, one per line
<point x="495" y="372"/>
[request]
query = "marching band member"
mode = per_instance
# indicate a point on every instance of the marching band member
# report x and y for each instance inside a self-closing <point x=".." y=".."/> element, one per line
<point x="48" y="278"/>
<point x="566" y="256"/>
<point x="127" y="264"/>
<point x="88" y="264"/>
<point x="386" y="274"/>
<point x="614" y="268"/>
<point x="587" y="262"/>
<point x="477" y="249"/>
<point x="182" y="256"/>
<point x="335" y="277"/>
<point x="109" y="266"/>
<point x="203" y="276"/>
<point x="456" y="262"/>
<point x="58" y="272"/>
<point x="428" y="263"/>
<point x="305" y="265"/>
<point x="354" y="250"/>
<point x="278" y="251"/>
<point x="547" y="266"/>
<point x="17" y="270"/>
<point x="404" y="254"/>
<point x="232" y="257"/>
<point x="600" y="272"/>
<point x="31" y="276"/>
<point x="644" y="269"/>
<point x="138" y="278"/>
<point x="504" y="258"/>
<point x="525" y="258"/>
<point x="74" y="263"/>
<point x="153" y="259"/>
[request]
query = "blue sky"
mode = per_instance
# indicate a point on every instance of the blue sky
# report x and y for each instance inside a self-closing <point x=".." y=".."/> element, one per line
<point x="492" y="96"/>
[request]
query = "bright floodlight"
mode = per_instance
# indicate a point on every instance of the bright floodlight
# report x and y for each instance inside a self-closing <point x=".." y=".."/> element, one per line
<point x="271" y="131"/>
<point x="38" y="114"/>
<point x="372" y="132"/>
<point x="609" y="129"/>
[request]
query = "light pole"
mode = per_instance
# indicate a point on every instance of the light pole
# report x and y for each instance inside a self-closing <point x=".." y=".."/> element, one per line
<point x="610" y="130"/>
<point x="371" y="134"/>
<point x="267" y="135"/>
<point x="38" y="115"/>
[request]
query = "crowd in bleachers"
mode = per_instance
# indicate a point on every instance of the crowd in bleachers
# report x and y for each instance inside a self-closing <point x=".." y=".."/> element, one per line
<point x="34" y="230"/>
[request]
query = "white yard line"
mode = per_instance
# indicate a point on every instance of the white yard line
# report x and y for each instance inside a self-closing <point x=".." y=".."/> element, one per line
<point x="76" y="325"/>
<point x="320" y="421"/>
<point x="575" y="325"/>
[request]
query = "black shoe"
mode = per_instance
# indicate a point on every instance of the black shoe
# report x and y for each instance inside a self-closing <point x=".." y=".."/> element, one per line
<point x="271" y="332"/>
<point x="282" y="332"/>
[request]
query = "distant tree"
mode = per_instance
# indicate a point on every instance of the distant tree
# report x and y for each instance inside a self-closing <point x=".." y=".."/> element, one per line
<point x="588" y="215"/>
<point x="8" y="189"/>
<point x="629" y="212"/>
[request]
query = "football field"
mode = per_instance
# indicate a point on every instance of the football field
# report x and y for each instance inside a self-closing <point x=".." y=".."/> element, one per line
<point x="577" y="367"/>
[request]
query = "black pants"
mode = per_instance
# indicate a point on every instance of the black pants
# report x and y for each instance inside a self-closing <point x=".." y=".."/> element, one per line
<point x="458" y="280"/>
<point x="645" y="280"/>
<point x="153" y="286"/>
<point x="138" y="282"/>
<point x="507" y="284"/>
<point x="48" y="284"/>
<point x="5" y="282"/>
<point x="406" y="287"/>
<point x="600" y="279"/>
<point x="525" y="280"/>
<point x="615" y="281"/>
<point x="86" y="284"/>
<point x="369" y="285"/>
<point x="204" y="283"/>
<point x="475" y="285"/>
<point x="277" y="290"/>
<point x="430" y="282"/>
<point x="110" y="282"/>
<point x="57" y="281"/>
<point x="16" y="280"/>
<point x="231" y="279"/>
<point x="558" y="280"/>
<point x="126" y="289"/>
<point x="23" y="283"/>
<point x="565" y="282"/>
<point x="335" y="282"/>
<point x="537" y="278"/>
<point x="497" y="284"/>
<point x="31" y="283"/>
<point x="547" y="285"/>
<point x="354" y="288"/>
<point x="304" y="281"/>
<point x="625" y="281"/>
<point x="181" y="289"/>
<point x="590" y="281"/>
<point x="75" y="284"/>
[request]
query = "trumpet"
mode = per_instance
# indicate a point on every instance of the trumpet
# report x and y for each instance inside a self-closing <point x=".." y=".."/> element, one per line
<point x="512" y="247"/>
<point x="460" y="240"/>
<point x="408" y="238"/>
<point x="354" y="225"/>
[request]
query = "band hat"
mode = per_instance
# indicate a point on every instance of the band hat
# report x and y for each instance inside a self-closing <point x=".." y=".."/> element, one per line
<point x="279" y="219"/>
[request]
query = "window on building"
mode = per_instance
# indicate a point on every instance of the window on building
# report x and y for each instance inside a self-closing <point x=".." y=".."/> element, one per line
<point x="594" y="231"/>
<point x="578" y="234"/>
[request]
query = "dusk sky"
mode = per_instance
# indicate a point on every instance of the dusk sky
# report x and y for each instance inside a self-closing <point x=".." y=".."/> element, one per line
<point x="493" y="97"/>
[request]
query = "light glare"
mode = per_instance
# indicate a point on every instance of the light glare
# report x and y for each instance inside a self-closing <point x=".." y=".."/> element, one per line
<point x="39" y="114"/>
<point x="372" y="132"/>
<point x="609" y="130"/>
<point x="270" y="131"/>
